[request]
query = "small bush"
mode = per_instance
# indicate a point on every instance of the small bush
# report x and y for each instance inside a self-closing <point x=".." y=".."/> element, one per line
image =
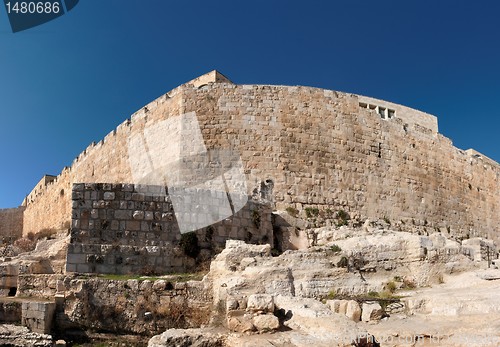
<point x="342" y="218"/>
<point x="25" y="244"/>
<point x="373" y="294"/>
<point x="311" y="212"/>
<point x="343" y="262"/>
<point x="391" y="286"/>
<point x="189" y="244"/>
<point x="332" y="294"/>
<point x="343" y="215"/>
<point x="342" y="222"/>
<point x="335" y="249"/>
<point x="387" y="220"/>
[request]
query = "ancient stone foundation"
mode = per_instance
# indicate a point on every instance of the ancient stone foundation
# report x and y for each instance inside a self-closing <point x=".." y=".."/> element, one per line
<point x="125" y="228"/>
<point x="38" y="316"/>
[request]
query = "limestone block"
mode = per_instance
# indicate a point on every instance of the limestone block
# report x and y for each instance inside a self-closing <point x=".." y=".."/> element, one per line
<point x="266" y="322"/>
<point x="338" y="306"/>
<point x="372" y="311"/>
<point x="353" y="310"/>
<point x="260" y="302"/>
<point x="159" y="285"/>
<point x="239" y="321"/>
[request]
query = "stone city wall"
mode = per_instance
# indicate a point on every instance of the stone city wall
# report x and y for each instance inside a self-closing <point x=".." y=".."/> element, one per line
<point x="320" y="149"/>
<point x="11" y="223"/>
<point x="125" y="228"/>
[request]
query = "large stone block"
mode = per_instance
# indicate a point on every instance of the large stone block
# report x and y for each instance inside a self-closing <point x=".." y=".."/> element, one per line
<point x="371" y="311"/>
<point x="260" y="303"/>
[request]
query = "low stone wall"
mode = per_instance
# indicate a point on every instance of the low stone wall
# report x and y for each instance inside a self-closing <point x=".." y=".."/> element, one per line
<point x="124" y="228"/>
<point x="38" y="316"/>
<point x="133" y="306"/>
<point x="10" y="312"/>
<point x="39" y="286"/>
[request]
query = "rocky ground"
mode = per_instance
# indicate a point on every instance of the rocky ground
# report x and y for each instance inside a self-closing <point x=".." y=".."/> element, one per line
<point x="344" y="287"/>
<point x="398" y="288"/>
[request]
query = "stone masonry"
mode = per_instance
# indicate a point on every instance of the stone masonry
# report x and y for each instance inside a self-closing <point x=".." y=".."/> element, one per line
<point x="124" y="228"/>
<point x="320" y="148"/>
<point x="38" y="316"/>
<point x="11" y="223"/>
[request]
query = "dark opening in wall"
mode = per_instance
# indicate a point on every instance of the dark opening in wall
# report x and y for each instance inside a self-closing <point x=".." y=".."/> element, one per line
<point x="12" y="291"/>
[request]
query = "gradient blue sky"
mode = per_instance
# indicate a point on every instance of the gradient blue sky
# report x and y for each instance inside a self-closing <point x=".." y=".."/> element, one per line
<point x="69" y="82"/>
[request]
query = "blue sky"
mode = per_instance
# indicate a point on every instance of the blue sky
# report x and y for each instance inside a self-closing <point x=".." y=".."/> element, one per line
<point x="69" y="82"/>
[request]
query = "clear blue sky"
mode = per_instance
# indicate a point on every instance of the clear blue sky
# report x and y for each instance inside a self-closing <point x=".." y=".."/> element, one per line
<point x="69" y="82"/>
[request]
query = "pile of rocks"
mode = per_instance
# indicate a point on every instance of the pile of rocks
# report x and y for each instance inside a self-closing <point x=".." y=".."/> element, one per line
<point x="257" y="314"/>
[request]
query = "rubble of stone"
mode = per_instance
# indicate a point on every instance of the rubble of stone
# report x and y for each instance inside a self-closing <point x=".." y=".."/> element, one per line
<point x="17" y="336"/>
<point x="295" y="294"/>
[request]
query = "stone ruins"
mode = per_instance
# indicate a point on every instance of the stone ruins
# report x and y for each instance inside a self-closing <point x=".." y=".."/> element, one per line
<point x="254" y="209"/>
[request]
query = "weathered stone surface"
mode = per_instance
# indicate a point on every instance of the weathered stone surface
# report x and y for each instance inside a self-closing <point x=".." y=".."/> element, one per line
<point x="124" y="235"/>
<point x="260" y="302"/>
<point x="400" y="167"/>
<point x="353" y="311"/>
<point x="371" y="311"/>
<point x="240" y="321"/>
<point x="16" y="336"/>
<point x="266" y="322"/>
<point x="338" y="306"/>
<point x="187" y="338"/>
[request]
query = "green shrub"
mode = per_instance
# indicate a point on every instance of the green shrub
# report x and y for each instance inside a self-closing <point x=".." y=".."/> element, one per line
<point x="335" y="249"/>
<point x="343" y="262"/>
<point x="332" y="294"/>
<point x="342" y="218"/>
<point x="311" y="212"/>
<point x="391" y="286"/>
<point x="343" y="215"/>
<point x="373" y="294"/>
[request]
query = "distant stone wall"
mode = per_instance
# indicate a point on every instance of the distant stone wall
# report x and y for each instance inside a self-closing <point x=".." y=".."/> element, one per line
<point x="124" y="228"/>
<point x="11" y="223"/>
<point x="321" y="148"/>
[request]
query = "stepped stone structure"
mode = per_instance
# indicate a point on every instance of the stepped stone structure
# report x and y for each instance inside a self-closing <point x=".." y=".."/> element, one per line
<point x="302" y="147"/>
